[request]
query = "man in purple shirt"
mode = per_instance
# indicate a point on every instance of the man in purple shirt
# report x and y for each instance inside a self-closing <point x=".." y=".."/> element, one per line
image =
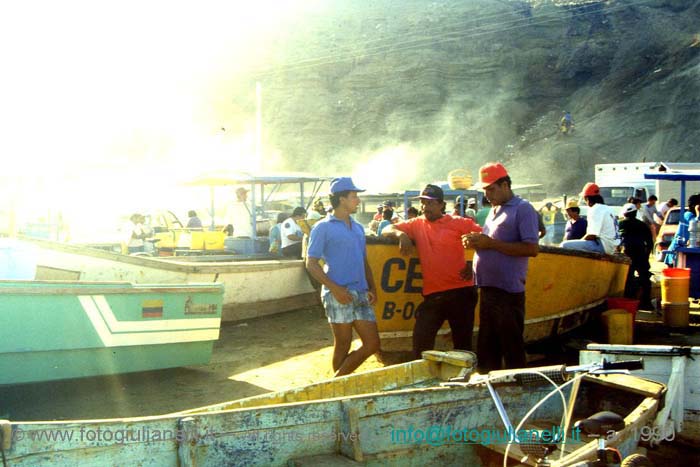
<point x="500" y="264"/>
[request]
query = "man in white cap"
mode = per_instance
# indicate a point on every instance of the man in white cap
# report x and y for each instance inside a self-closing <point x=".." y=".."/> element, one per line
<point x="469" y="208"/>
<point x="348" y="291"/>
<point x="637" y="243"/>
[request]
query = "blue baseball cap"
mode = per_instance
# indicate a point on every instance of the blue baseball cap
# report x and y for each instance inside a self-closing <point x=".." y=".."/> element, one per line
<point x="343" y="184"/>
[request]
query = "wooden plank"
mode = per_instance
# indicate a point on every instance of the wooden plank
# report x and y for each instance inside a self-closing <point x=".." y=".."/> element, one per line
<point x="644" y="349"/>
<point x="51" y="273"/>
<point x="630" y="383"/>
<point x="657" y="368"/>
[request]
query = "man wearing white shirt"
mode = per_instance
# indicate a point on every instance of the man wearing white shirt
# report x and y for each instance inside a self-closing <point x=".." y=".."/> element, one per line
<point x="665" y="207"/>
<point x="135" y="233"/>
<point x="238" y="215"/>
<point x="292" y="234"/>
<point x="601" y="234"/>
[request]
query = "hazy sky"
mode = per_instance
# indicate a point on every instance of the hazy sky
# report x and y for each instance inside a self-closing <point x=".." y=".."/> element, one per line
<point x="124" y="85"/>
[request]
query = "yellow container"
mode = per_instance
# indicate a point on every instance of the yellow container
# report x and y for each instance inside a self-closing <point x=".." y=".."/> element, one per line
<point x="197" y="241"/>
<point x="619" y="326"/>
<point x="676" y="314"/>
<point x="207" y="240"/>
<point x="459" y="179"/>
<point x="675" y="285"/>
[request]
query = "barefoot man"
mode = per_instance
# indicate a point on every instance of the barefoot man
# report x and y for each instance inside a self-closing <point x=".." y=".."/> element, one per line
<point x="348" y="291"/>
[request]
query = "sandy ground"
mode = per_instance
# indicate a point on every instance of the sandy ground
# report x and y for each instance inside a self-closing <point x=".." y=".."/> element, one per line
<point x="250" y="358"/>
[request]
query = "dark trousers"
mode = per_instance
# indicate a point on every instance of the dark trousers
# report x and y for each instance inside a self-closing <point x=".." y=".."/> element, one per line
<point x="640" y="265"/>
<point x="457" y="307"/>
<point x="292" y="251"/>
<point x="501" y="326"/>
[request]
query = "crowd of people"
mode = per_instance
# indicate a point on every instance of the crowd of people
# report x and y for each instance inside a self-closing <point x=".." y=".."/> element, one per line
<point x="504" y="233"/>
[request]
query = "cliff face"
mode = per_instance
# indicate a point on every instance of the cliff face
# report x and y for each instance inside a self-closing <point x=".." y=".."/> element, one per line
<point x="433" y="86"/>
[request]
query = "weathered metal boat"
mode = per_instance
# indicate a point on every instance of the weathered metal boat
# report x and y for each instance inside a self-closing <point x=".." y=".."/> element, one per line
<point x="398" y="415"/>
<point x="563" y="286"/>
<point x="60" y="329"/>
<point x="678" y="367"/>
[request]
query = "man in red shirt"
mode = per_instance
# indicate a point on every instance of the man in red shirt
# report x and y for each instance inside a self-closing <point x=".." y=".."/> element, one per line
<point x="448" y="283"/>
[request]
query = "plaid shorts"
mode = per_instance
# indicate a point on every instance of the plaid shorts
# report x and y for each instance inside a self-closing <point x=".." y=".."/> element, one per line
<point x="338" y="313"/>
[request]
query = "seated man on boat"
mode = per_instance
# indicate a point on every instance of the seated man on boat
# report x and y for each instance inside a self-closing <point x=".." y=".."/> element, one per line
<point x="275" y="236"/>
<point x="500" y="264"/>
<point x="348" y="291"/>
<point x="386" y="221"/>
<point x="194" y="222"/>
<point x="601" y="233"/>
<point x="448" y="282"/>
<point x="292" y="235"/>
<point x="576" y="225"/>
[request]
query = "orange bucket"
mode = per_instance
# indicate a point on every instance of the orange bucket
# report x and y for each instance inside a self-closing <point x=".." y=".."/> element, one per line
<point x="675" y="285"/>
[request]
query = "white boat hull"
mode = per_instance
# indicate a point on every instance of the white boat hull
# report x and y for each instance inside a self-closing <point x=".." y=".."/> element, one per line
<point x="251" y="288"/>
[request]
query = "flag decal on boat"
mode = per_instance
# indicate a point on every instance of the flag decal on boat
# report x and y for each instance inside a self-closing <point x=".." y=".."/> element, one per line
<point x="114" y="332"/>
<point x="152" y="309"/>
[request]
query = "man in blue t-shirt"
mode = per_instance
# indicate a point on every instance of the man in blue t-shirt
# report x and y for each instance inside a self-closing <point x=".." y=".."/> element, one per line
<point x="576" y="225"/>
<point x="348" y="291"/>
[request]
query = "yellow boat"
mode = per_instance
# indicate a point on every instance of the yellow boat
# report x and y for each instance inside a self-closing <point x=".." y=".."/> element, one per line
<point x="563" y="286"/>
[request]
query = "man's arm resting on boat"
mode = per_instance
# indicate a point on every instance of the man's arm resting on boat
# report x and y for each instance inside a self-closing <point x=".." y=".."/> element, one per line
<point x="484" y="242"/>
<point x="405" y="243"/>
<point x="340" y="293"/>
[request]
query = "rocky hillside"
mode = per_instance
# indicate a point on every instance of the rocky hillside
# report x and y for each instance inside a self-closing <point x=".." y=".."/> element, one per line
<point x="430" y="86"/>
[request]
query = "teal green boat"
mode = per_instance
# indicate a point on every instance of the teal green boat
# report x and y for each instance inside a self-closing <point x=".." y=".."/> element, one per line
<point x="65" y="329"/>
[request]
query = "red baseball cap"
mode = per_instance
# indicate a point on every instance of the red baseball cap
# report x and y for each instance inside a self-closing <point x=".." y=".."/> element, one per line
<point x="491" y="173"/>
<point x="590" y="189"/>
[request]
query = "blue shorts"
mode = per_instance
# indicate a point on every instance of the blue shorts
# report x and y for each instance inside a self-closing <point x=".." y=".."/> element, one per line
<point x="359" y="309"/>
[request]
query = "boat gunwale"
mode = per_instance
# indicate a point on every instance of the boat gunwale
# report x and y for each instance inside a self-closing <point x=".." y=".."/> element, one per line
<point x="644" y="410"/>
<point x="167" y="264"/>
<point x="66" y="287"/>
<point x="549" y="249"/>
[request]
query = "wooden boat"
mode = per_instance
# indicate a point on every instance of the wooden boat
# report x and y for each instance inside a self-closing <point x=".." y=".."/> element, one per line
<point x="397" y="415"/>
<point x="678" y="367"/>
<point x="251" y="287"/>
<point x="61" y="329"/>
<point x="256" y="284"/>
<point x="563" y="286"/>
